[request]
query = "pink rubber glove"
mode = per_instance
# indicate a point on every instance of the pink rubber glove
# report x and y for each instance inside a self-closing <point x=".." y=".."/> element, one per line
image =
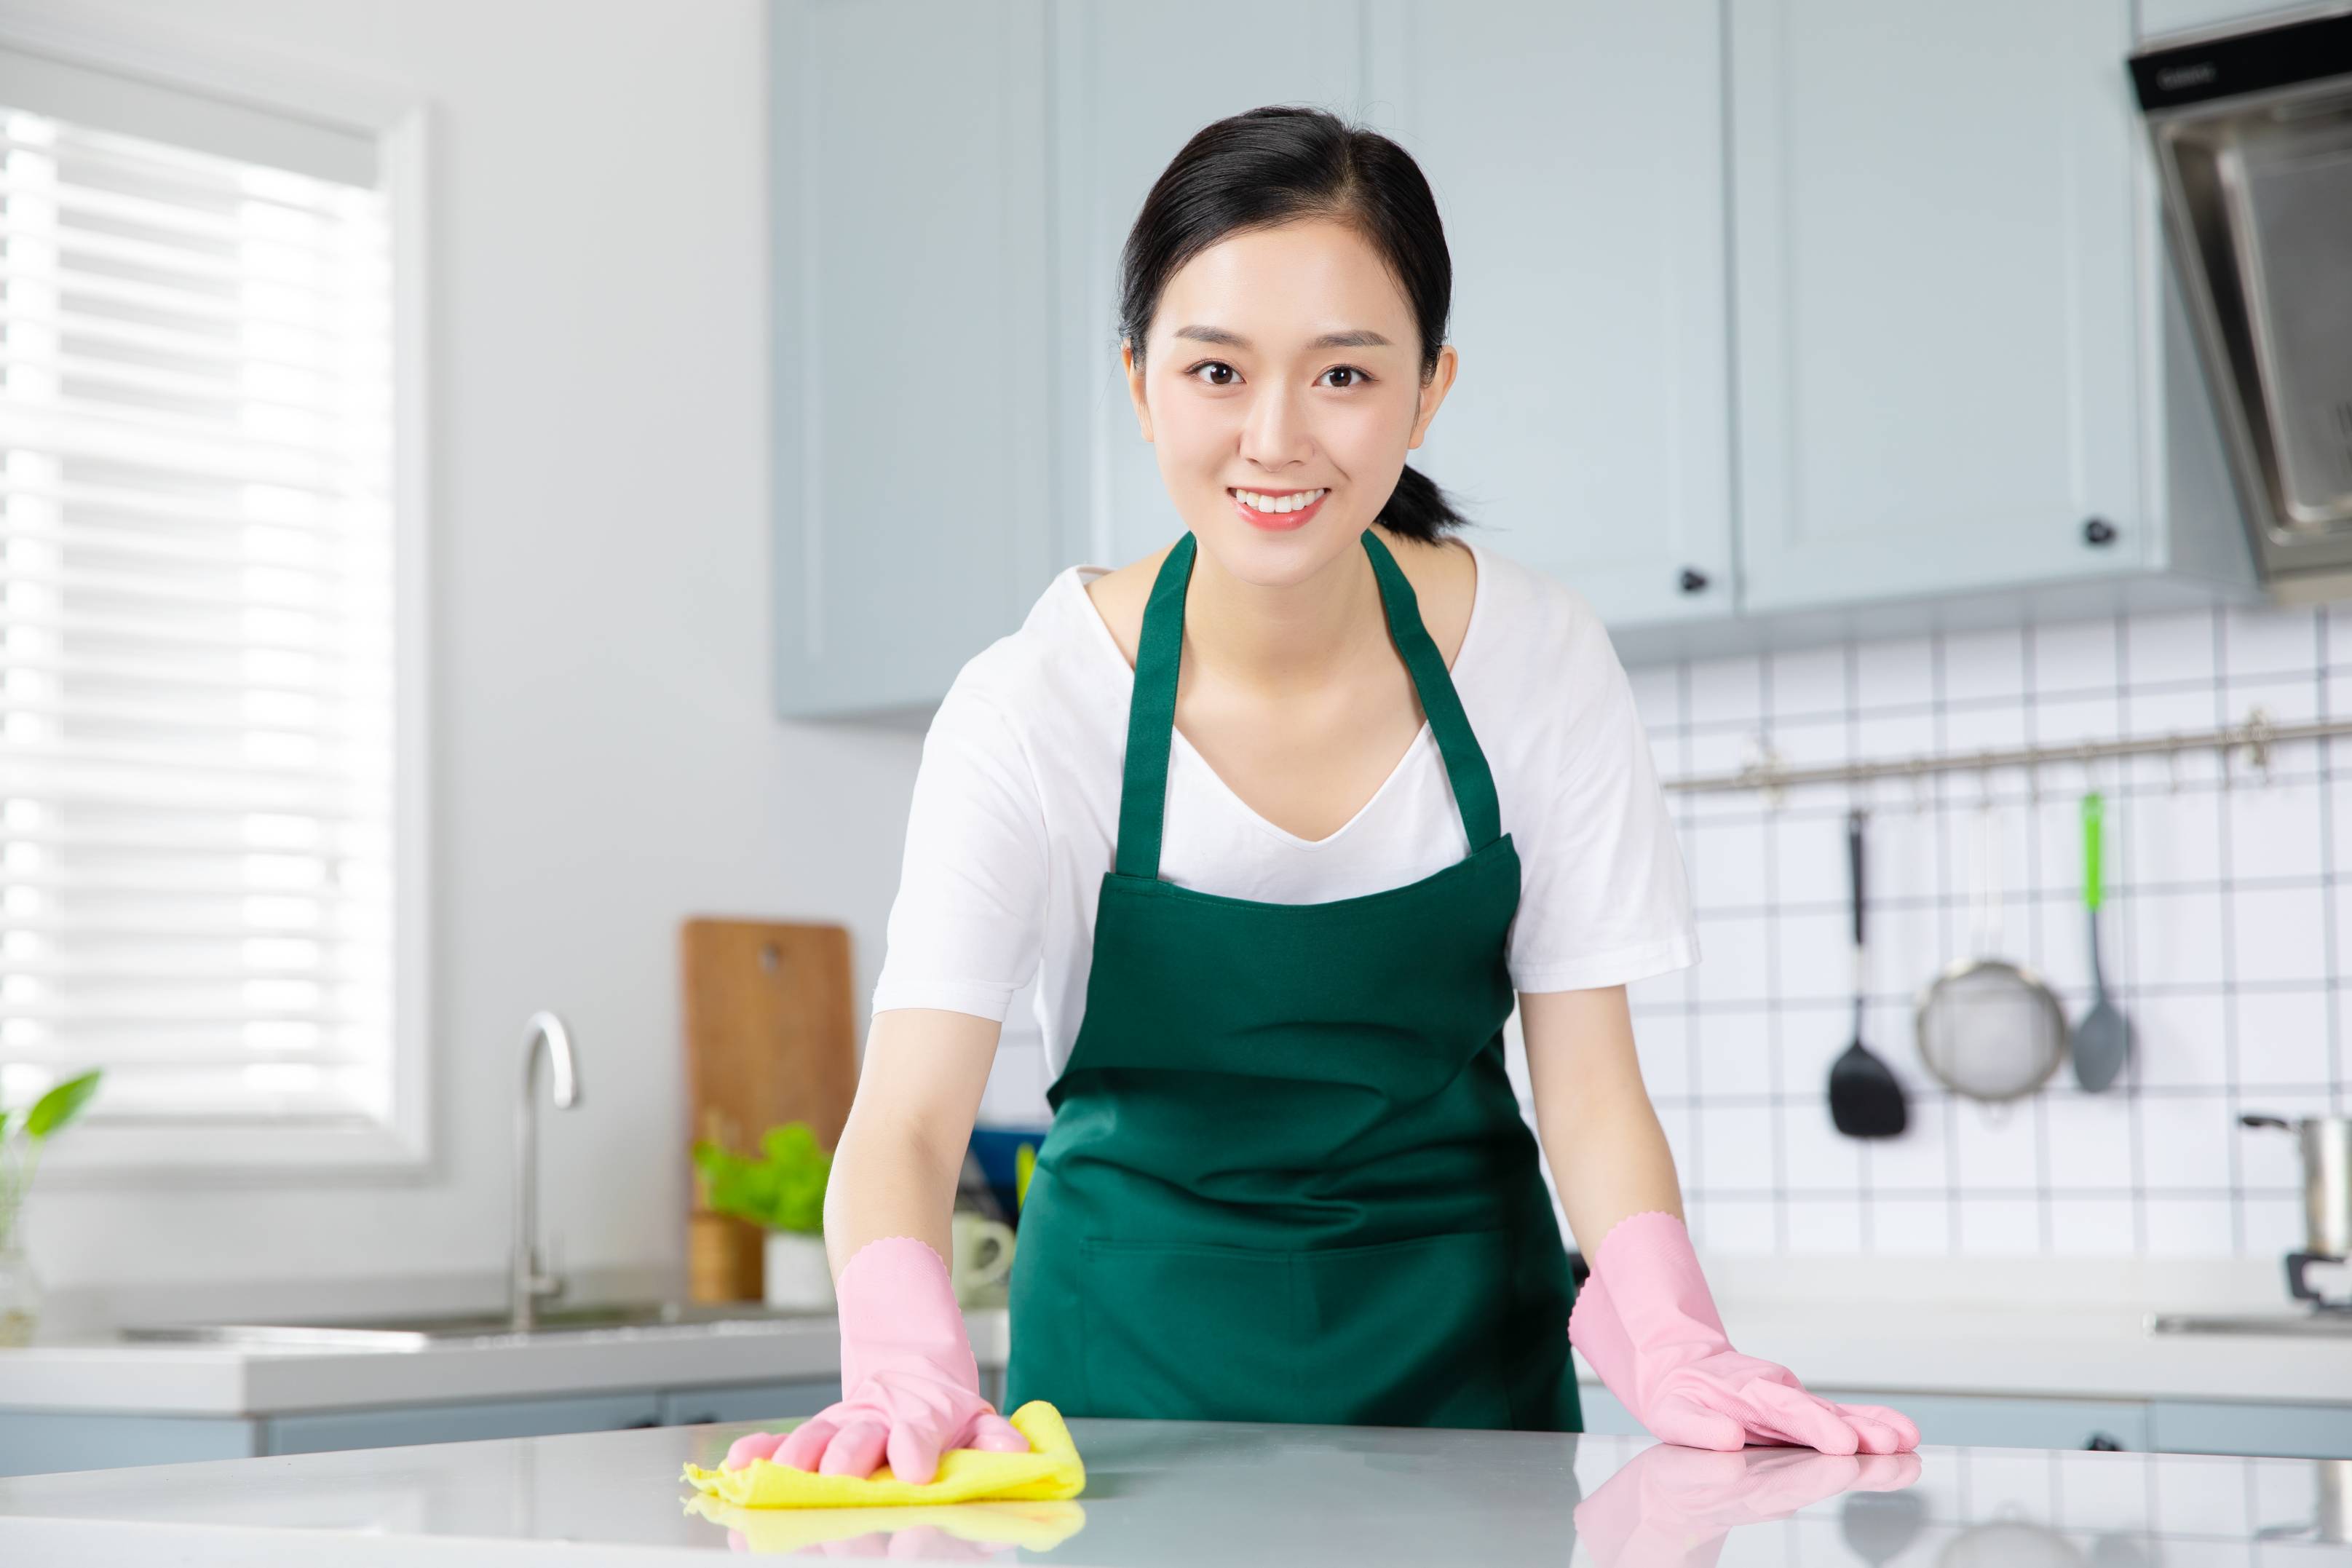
<point x="1671" y="1507"/>
<point x="910" y="1388"/>
<point x="1648" y="1326"/>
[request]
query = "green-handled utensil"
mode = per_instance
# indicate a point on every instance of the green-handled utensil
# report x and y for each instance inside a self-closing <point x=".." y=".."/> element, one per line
<point x="2103" y="1039"/>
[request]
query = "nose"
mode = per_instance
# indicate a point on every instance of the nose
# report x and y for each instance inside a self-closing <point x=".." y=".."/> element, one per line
<point x="1275" y="433"/>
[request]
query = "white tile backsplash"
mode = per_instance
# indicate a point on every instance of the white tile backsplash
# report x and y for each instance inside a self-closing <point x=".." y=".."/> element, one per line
<point x="2221" y="935"/>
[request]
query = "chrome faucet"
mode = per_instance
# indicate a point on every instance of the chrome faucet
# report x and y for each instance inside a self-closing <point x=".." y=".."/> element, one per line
<point x="527" y="1282"/>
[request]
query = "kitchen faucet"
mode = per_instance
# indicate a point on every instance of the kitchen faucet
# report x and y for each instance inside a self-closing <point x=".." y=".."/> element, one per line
<point x="528" y="1284"/>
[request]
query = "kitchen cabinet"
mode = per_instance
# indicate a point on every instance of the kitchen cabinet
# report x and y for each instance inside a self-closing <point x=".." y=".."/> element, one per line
<point x="1939" y="327"/>
<point x="1577" y="152"/>
<point x="2254" y="1428"/>
<point x="912" y="290"/>
<point x="2215" y="1426"/>
<point x="321" y="1431"/>
<point x="929" y="227"/>
<point x="41" y="1441"/>
<point x="1586" y="431"/>
<point x="2000" y="1421"/>
<point x="1778" y="322"/>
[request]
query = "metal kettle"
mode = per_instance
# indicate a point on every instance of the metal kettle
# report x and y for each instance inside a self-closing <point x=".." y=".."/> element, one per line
<point x="2326" y="1145"/>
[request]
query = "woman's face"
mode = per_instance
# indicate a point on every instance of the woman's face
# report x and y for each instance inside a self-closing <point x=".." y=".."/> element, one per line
<point x="1283" y="363"/>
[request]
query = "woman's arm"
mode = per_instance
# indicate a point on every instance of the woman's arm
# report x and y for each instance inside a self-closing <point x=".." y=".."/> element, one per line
<point x="1645" y="1320"/>
<point x="895" y="1169"/>
<point x="1607" y="1152"/>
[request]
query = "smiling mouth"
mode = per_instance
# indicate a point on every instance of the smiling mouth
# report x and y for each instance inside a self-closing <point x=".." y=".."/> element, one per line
<point x="1279" y="503"/>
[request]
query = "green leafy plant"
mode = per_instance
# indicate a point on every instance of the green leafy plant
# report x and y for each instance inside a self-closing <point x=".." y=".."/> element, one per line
<point x="22" y="1138"/>
<point x="782" y="1189"/>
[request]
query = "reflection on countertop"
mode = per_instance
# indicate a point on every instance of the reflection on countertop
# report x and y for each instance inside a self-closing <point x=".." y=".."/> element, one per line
<point x="1228" y="1494"/>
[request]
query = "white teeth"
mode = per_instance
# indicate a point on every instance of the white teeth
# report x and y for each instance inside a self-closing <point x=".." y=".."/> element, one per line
<point x="1265" y="503"/>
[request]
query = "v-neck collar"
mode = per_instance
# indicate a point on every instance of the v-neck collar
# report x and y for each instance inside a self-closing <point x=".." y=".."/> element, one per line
<point x="1079" y="575"/>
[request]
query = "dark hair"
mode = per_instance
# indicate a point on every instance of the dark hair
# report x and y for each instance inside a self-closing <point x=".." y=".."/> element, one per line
<point x="1276" y="165"/>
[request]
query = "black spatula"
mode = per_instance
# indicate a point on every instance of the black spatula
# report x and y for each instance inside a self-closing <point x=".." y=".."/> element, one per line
<point x="1865" y="1100"/>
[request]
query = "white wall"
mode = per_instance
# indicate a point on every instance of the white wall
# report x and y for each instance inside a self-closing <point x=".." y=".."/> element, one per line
<point x="607" y="762"/>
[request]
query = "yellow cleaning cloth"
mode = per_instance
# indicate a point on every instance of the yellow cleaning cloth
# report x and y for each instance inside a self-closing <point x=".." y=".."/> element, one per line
<point x="1049" y="1472"/>
<point x="1031" y="1526"/>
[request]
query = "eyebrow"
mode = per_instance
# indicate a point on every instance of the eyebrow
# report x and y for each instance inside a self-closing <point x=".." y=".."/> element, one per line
<point x="1357" y="338"/>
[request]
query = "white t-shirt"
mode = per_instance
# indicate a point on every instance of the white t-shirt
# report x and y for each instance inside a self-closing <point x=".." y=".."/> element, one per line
<point x="1016" y="812"/>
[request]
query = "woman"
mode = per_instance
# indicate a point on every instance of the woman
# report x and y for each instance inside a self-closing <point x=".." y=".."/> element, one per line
<point x="1280" y="816"/>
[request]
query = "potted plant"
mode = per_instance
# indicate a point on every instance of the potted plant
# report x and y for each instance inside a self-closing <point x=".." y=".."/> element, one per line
<point x="21" y="1140"/>
<point x="783" y="1191"/>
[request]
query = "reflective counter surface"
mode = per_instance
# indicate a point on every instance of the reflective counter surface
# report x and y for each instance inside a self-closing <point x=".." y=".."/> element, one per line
<point x="1231" y="1495"/>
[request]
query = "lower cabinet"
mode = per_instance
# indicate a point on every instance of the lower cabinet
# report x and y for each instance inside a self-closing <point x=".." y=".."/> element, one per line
<point x="37" y="1442"/>
<point x="2288" y="1431"/>
<point x="2153" y="1427"/>
<point x="391" y="1425"/>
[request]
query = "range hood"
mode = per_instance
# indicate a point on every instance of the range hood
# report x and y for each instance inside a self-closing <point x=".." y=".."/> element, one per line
<point x="2253" y="134"/>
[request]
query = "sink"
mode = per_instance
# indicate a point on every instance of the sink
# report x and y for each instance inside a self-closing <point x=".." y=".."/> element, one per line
<point x="420" y="1333"/>
<point x="2301" y="1323"/>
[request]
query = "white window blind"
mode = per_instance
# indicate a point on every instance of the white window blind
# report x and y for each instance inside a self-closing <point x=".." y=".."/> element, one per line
<point x="197" y="662"/>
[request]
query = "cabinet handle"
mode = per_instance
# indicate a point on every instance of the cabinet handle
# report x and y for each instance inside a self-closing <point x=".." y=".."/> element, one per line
<point x="1693" y="580"/>
<point x="2098" y="531"/>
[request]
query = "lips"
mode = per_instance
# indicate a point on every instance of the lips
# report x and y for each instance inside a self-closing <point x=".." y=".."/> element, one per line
<point x="1278" y="520"/>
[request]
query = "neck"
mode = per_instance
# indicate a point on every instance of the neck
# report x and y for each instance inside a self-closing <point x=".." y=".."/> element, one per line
<point x="1298" y="636"/>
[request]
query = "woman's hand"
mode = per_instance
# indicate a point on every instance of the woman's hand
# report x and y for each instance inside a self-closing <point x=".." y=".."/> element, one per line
<point x="1647" y="1323"/>
<point x="911" y="1387"/>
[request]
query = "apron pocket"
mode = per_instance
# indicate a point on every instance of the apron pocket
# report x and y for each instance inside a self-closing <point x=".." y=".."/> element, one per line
<point x="1186" y="1331"/>
<point x="1413" y="1332"/>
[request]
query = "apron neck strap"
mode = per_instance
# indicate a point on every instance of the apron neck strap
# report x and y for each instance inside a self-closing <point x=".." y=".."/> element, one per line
<point x="1151" y="709"/>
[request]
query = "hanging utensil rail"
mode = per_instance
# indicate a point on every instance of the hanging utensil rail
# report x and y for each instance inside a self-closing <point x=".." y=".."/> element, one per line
<point x="2258" y="734"/>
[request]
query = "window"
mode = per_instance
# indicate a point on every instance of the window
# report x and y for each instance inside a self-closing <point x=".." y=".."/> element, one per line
<point x="204" y="687"/>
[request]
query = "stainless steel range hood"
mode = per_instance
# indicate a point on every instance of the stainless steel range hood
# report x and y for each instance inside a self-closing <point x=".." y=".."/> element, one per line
<point x="2253" y="135"/>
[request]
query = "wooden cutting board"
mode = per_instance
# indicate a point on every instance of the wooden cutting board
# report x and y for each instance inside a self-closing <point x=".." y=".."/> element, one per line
<point x="770" y="1037"/>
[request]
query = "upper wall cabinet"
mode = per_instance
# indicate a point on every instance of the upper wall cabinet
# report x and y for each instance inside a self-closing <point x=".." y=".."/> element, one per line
<point x="1576" y="149"/>
<point x="911" y="301"/>
<point x="1130" y="86"/>
<point x="1935" y="273"/>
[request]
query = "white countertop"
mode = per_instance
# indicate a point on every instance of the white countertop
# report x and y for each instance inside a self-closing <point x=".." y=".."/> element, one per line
<point x="2076" y="1350"/>
<point x="1232" y="1495"/>
<point x="189" y="1378"/>
<point x="2048" y="1328"/>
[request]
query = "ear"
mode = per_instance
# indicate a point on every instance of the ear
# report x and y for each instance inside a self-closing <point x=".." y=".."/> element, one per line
<point x="1134" y="374"/>
<point x="1432" y="392"/>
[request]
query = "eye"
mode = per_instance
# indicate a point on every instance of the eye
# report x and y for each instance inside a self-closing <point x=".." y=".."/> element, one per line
<point x="1212" y="364"/>
<point x="1360" y="378"/>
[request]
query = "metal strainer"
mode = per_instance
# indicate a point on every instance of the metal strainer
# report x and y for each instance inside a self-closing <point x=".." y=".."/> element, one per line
<point x="1990" y="1028"/>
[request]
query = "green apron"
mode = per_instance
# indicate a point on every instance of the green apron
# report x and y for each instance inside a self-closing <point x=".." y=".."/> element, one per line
<point x="1287" y="1179"/>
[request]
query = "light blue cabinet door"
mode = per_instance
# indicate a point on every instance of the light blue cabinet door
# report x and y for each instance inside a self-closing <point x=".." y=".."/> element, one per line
<point x="1985" y="1421"/>
<point x="746" y="1402"/>
<point x="1942" y="297"/>
<point x="35" y="1442"/>
<point x="1131" y="84"/>
<point x="390" y="1425"/>
<point x="2292" y="1431"/>
<point x="910" y="288"/>
<point x="1576" y="149"/>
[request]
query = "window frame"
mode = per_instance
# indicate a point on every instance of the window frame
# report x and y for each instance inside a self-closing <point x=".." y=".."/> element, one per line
<point x="397" y="119"/>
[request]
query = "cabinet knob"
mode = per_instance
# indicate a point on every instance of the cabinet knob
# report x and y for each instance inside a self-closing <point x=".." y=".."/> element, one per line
<point x="1693" y="580"/>
<point x="2098" y="531"/>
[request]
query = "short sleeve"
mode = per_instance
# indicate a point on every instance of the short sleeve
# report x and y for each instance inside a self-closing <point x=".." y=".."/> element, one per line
<point x="967" y="926"/>
<point x="1603" y="898"/>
